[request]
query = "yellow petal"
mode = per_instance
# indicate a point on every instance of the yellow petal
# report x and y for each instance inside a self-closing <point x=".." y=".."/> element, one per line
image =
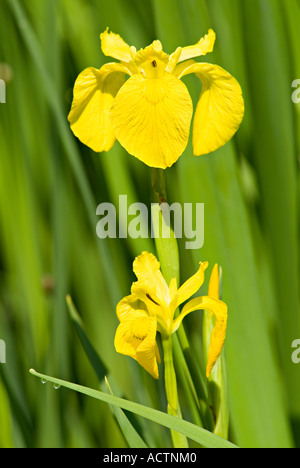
<point x="203" y="47"/>
<point x="220" y="109"/>
<point x="151" y="119"/>
<point x="156" y="308"/>
<point x="218" y="334"/>
<point x="131" y="308"/>
<point x="181" y="68"/>
<point x="150" y="53"/>
<point x="94" y="92"/>
<point x="157" y="354"/>
<point x="173" y="288"/>
<point x="145" y="264"/>
<point x="146" y="353"/>
<point x="173" y="60"/>
<point x="137" y="339"/>
<point x="130" y="334"/>
<point x="114" y="46"/>
<point x="147" y="295"/>
<point x="192" y="285"/>
<point x="214" y="283"/>
<point x="219" y="310"/>
<point x="152" y="289"/>
<point x="150" y="279"/>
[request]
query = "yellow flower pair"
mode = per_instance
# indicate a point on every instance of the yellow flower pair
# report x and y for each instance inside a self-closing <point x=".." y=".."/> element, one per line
<point x="150" y="113"/>
<point x="151" y="307"/>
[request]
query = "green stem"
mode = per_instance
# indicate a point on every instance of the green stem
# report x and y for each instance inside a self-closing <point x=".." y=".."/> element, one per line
<point x="167" y="250"/>
<point x="170" y="376"/>
<point x="179" y="440"/>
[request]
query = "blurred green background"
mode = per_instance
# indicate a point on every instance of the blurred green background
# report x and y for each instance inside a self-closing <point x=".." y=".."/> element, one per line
<point x="51" y="185"/>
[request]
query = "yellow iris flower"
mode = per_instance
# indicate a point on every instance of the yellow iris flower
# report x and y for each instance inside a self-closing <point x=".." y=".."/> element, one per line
<point x="151" y="112"/>
<point x="151" y="307"/>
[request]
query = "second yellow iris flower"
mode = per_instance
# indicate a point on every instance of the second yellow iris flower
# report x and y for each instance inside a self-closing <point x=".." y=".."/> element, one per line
<point x="151" y="307"/>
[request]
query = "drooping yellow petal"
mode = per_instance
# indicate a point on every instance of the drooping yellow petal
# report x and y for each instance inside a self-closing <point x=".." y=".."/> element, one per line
<point x="137" y="339"/>
<point x="192" y="285"/>
<point x="130" y="308"/>
<point x="151" y="119"/>
<point x="219" y="310"/>
<point x="203" y="47"/>
<point x="114" y="46"/>
<point x="148" y="352"/>
<point x="94" y="92"/>
<point x="220" y="109"/>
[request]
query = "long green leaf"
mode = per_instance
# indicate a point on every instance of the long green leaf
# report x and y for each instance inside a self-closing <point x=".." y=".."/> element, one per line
<point x="70" y="148"/>
<point x="203" y="437"/>
<point x="258" y="413"/>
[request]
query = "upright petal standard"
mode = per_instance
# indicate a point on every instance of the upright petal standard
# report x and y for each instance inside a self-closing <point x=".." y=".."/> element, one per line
<point x="150" y="113"/>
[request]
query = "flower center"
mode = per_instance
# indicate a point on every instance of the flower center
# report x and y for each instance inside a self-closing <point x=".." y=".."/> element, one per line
<point x="153" y="68"/>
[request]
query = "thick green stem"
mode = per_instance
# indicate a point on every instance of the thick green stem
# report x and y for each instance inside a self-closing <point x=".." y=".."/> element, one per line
<point x="170" y="376"/>
<point x="167" y="248"/>
<point x="179" y="440"/>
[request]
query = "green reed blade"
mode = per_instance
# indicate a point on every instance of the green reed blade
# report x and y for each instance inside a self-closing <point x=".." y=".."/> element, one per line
<point x="203" y="437"/>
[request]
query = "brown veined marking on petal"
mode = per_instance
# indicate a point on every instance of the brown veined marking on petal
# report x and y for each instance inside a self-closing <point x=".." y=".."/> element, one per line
<point x="140" y="338"/>
<point x="149" y="297"/>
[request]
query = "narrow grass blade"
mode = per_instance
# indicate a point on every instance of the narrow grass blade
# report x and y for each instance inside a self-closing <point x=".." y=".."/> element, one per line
<point x="257" y="405"/>
<point x="197" y="434"/>
<point x="6" y="439"/>
<point x="132" y="437"/>
<point x="76" y="165"/>
<point x="275" y="159"/>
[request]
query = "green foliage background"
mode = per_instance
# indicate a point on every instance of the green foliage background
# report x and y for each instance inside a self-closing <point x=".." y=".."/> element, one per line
<point x="50" y="186"/>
